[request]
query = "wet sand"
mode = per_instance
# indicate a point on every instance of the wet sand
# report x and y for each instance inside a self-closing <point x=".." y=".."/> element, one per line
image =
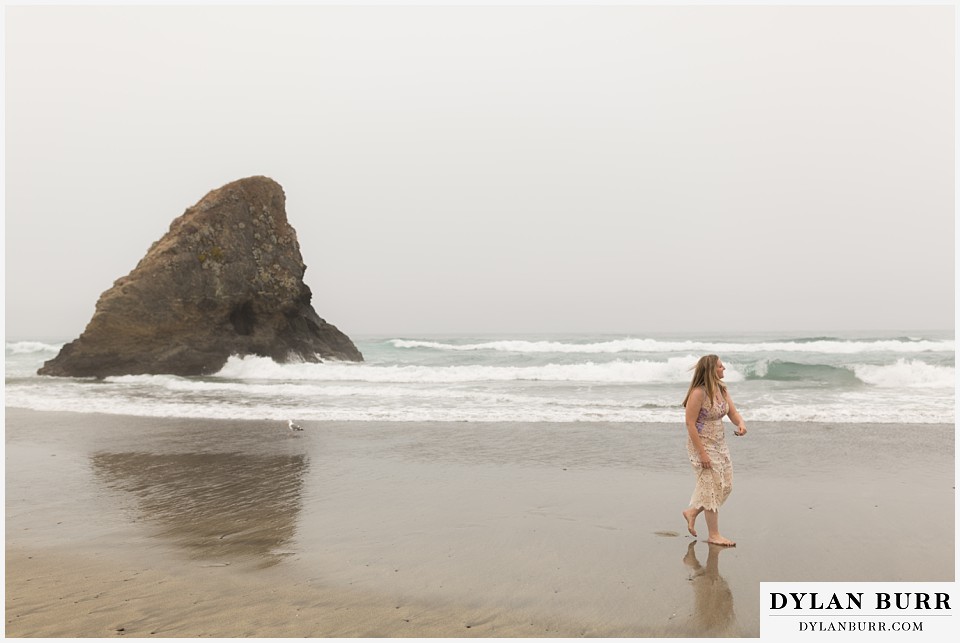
<point x="123" y="526"/>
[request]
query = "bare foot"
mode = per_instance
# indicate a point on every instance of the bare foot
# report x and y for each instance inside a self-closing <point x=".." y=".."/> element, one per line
<point x="691" y="517"/>
<point x="723" y="542"/>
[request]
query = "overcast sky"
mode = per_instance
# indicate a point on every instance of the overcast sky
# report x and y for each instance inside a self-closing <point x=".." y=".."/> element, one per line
<point x="501" y="169"/>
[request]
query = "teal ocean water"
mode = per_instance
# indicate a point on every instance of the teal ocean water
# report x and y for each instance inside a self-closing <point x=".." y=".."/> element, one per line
<point x="883" y="377"/>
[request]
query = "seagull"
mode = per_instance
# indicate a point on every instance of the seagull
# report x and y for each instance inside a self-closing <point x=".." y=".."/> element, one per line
<point x="294" y="426"/>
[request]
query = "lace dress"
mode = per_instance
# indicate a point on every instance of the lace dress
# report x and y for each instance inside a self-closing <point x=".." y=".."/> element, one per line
<point x="713" y="484"/>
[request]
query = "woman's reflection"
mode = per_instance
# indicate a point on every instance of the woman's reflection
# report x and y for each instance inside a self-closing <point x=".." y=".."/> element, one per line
<point x="713" y="600"/>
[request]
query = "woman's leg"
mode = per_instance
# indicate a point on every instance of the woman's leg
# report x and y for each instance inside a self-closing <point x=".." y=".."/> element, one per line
<point x="690" y="515"/>
<point x="713" y="526"/>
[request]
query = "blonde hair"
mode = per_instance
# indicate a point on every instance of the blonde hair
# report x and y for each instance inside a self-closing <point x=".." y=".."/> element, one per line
<point x="705" y="375"/>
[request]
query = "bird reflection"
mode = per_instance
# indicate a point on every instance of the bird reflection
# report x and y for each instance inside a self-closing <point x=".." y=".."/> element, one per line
<point x="214" y="505"/>
<point x="713" y="600"/>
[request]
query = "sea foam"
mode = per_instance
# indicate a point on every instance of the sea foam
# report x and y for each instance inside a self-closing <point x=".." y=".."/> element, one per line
<point x="675" y="369"/>
<point x="904" y="373"/>
<point x="519" y="380"/>
<point x="24" y="348"/>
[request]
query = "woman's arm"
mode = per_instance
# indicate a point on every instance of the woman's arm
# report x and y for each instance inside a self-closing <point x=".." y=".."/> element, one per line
<point x="734" y="415"/>
<point x="694" y="404"/>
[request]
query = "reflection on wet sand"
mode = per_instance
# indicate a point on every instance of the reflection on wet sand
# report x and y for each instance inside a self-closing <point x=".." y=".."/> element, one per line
<point x="712" y="598"/>
<point x="216" y="505"/>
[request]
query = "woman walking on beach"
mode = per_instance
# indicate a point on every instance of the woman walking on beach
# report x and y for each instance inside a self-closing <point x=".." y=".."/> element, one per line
<point x="707" y="401"/>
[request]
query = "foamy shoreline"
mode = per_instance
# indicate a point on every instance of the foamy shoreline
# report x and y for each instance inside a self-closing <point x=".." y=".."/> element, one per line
<point x="891" y="377"/>
<point x="170" y="527"/>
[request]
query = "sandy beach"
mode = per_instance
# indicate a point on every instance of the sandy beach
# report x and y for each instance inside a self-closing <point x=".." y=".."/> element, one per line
<point x="129" y="526"/>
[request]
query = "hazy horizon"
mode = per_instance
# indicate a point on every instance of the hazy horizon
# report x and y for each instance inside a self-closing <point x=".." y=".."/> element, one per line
<point x="501" y="170"/>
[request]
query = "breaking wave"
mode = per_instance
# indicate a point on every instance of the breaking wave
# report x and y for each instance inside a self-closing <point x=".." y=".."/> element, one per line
<point x="675" y="369"/>
<point x="25" y="348"/>
<point x="912" y="373"/>
<point x="904" y="373"/>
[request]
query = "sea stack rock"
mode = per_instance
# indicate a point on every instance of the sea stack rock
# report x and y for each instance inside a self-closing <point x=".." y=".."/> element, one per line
<point x="226" y="279"/>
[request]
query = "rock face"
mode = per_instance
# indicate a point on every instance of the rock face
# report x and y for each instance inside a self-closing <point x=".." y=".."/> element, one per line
<point x="226" y="279"/>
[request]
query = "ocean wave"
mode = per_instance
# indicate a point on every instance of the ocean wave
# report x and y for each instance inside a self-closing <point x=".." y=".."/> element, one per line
<point x="305" y="390"/>
<point x="674" y="370"/>
<point x="260" y="389"/>
<point x="363" y="393"/>
<point x="242" y="373"/>
<point x="904" y="373"/>
<point x="24" y="348"/>
<point x="841" y="409"/>
<point x="803" y="345"/>
<point x="784" y="371"/>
